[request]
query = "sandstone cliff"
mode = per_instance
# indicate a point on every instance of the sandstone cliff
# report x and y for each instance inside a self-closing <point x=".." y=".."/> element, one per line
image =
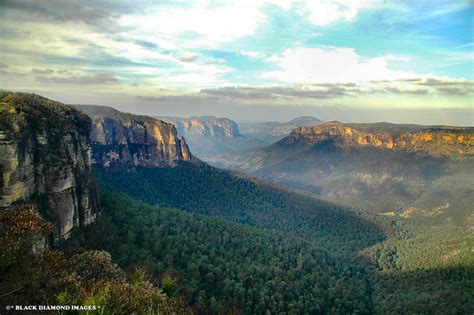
<point x="205" y="126"/>
<point x="126" y="140"/>
<point x="45" y="151"/>
<point x="435" y="141"/>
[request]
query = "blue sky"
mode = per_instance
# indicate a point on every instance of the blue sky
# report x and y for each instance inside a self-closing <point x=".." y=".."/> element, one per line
<point x="226" y="57"/>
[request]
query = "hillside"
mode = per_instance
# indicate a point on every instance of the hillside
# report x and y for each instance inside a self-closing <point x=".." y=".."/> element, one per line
<point x="223" y="267"/>
<point x="412" y="171"/>
<point x="200" y="188"/>
<point x="378" y="257"/>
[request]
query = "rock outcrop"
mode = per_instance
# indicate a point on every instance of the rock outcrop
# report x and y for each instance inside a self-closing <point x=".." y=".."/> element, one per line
<point x="205" y="126"/>
<point x="435" y="141"/>
<point x="45" y="159"/>
<point x="126" y="140"/>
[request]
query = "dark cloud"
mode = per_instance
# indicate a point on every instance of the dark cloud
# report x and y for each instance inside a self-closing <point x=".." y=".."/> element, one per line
<point x="59" y="10"/>
<point x="441" y="82"/>
<point x="400" y="90"/>
<point x="447" y="85"/>
<point x="333" y="90"/>
<point x="321" y="91"/>
<point x="455" y="90"/>
<point x="146" y="44"/>
<point x="96" y="78"/>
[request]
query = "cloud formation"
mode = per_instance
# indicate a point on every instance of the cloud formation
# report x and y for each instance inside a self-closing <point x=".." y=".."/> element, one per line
<point x="326" y="12"/>
<point x="446" y="85"/>
<point x="314" y="52"/>
<point x="332" y="64"/>
<point x="59" y="10"/>
<point x="96" y="78"/>
<point x="416" y="86"/>
<point x="188" y="57"/>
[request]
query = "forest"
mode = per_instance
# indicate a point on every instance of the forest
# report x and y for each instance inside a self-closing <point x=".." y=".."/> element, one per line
<point x="224" y="258"/>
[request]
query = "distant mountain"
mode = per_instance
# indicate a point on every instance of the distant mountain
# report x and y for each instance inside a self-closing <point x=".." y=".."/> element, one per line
<point x="122" y="139"/>
<point x="273" y="131"/>
<point x="208" y="126"/>
<point x="410" y="171"/>
<point x="212" y="139"/>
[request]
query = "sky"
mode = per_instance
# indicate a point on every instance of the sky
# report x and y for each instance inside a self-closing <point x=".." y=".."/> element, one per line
<point x="349" y="60"/>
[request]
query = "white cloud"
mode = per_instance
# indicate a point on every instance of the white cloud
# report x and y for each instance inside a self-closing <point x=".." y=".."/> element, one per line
<point x="205" y="26"/>
<point x="251" y="54"/>
<point x="311" y="65"/>
<point x="325" y="12"/>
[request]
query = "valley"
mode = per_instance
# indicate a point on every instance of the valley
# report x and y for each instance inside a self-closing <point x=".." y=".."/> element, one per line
<point x="283" y="231"/>
<point x="310" y="157"/>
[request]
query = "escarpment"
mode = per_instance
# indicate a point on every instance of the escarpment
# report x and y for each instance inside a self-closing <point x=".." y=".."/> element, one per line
<point x="435" y="141"/>
<point x="126" y="140"/>
<point x="45" y="159"/>
<point x="205" y="126"/>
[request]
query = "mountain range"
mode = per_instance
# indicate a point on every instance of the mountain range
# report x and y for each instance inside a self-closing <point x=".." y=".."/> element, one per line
<point x="399" y="170"/>
<point x="154" y="229"/>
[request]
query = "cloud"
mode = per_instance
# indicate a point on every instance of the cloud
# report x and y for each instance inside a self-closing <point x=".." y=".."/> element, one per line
<point x="325" y="12"/>
<point x="272" y="92"/>
<point x="251" y="54"/>
<point x="188" y="57"/>
<point x="330" y="64"/>
<point x="176" y="98"/>
<point x="197" y="25"/>
<point x="446" y="85"/>
<point x="59" y="10"/>
<point x="390" y="88"/>
<point x="413" y="86"/>
<point x="42" y="71"/>
<point x="96" y="78"/>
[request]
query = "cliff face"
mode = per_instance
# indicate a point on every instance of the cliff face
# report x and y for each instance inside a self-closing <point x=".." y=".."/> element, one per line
<point x="45" y="151"/>
<point x="419" y="171"/>
<point x="206" y="126"/>
<point x="435" y="141"/>
<point x="121" y="139"/>
<point x="279" y="129"/>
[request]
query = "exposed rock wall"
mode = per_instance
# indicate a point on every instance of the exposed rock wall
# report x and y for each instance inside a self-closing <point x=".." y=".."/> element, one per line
<point x="435" y="141"/>
<point x="206" y="126"/>
<point x="45" y="152"/>
<point x="126" y="140"/>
